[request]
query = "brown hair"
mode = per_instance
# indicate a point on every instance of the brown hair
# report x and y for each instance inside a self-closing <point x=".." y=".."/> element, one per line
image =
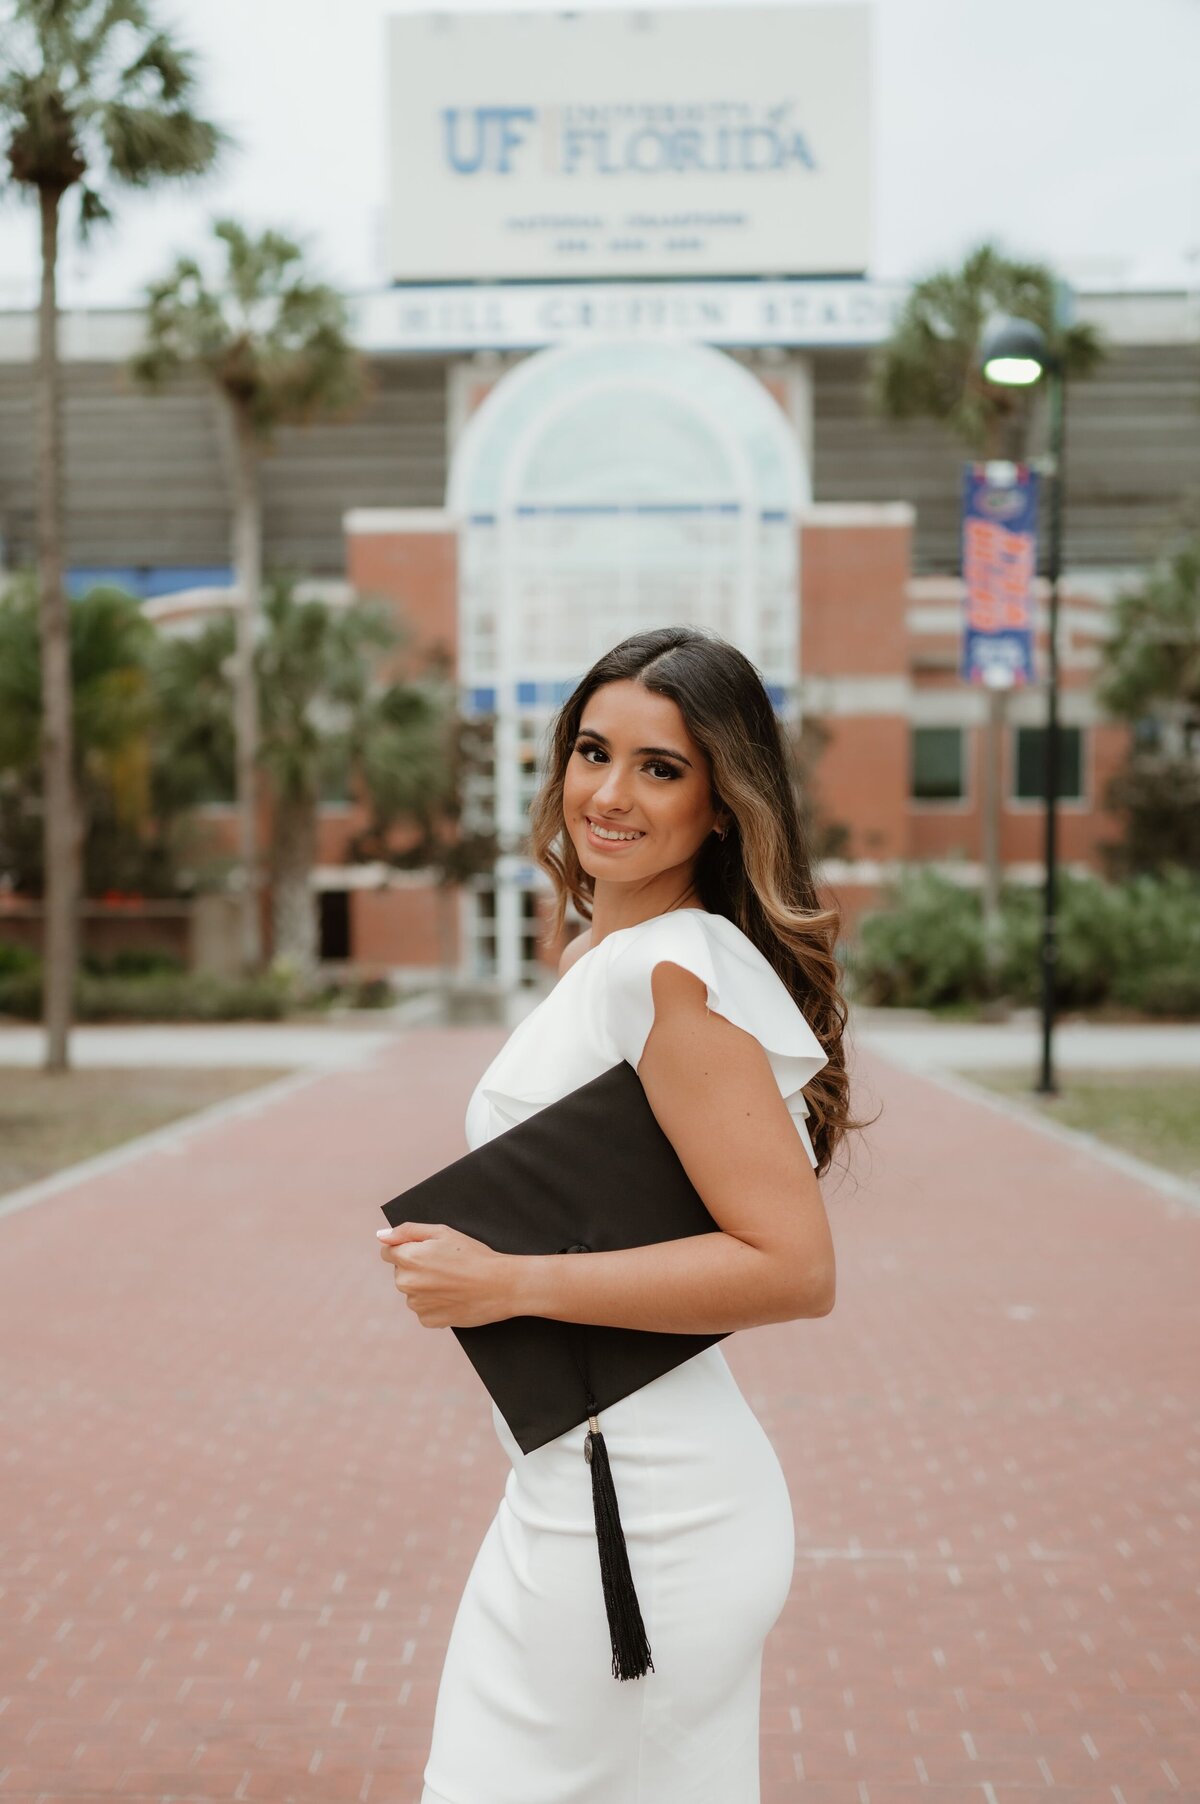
<point x="759" y="875"/>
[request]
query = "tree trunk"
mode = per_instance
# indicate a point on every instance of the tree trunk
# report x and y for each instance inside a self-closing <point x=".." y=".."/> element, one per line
<point x="247" y="572"/>
<point x="61" y="827"/>
<point x="293" y="903"/>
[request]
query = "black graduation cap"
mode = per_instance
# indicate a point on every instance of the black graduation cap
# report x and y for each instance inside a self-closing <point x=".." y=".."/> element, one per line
<point x="592" y="1172"/>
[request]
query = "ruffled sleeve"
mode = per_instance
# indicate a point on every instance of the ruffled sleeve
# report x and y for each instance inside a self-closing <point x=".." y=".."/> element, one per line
<point x="742" y="986"/>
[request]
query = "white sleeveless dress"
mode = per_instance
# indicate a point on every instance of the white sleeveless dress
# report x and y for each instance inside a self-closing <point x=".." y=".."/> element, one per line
<point x="528" y="1711"/>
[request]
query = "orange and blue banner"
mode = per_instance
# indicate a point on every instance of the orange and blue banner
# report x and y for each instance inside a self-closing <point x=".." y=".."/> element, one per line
<point x="999" y="563"/>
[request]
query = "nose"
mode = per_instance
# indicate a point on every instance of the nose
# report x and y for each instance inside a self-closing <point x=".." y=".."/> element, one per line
<point x="611" y="794"/>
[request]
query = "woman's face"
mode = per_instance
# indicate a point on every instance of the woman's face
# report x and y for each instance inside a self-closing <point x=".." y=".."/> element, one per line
<point x="636" y="772"/>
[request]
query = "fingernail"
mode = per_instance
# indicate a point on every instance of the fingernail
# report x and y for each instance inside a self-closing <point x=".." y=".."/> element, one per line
<point x="382" y="1233"/>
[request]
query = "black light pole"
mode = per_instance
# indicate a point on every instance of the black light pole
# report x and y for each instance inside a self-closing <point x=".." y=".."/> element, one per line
<point x="1015" y="352"/>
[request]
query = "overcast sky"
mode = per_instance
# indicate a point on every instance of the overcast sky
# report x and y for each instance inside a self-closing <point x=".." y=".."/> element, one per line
<point x="1067" y="129"/>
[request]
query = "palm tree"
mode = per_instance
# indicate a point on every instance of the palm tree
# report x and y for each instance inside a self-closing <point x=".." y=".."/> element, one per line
<point x="324" y="718"/>
<point x="112" y="723"/>
<point x="425" y="790"/>
<point x="929" y="366"/>
<point x="324" y="723"/>
<point x="93" y="95"/>
<point x="273" y="342"/>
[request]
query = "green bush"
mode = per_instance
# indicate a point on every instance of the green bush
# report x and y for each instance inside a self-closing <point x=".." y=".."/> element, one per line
<point x="132" y="961"/>
<point x="1136" y="944"/>
<point x="925" y="949"/>
<point x="1162" y="992"/>
<point x="168" y="996"/>
<point x="15" y="961"/>
<point x="186" y="997"/>
<point x="357" y="992"/>
<point x="1092" y="936"/>
<point x="1159" y="970"/>
<point x="21" y="994"/>
<point x="372" y="992"/>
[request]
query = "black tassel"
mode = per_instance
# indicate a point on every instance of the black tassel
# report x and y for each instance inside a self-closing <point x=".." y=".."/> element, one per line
<point x="627" y="1632"/>
<point x="630" y="1648"/>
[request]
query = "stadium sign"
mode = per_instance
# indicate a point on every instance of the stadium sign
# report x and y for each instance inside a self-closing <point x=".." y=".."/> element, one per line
<point x="710" y="142"/>
<point x="526" y="316"/>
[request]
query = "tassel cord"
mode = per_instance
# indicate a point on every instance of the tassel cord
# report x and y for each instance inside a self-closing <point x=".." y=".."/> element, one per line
<point x="627" y="1631"/>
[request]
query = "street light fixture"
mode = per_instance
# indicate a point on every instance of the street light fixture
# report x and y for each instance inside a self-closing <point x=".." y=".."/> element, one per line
<point x="1015" y="353"/>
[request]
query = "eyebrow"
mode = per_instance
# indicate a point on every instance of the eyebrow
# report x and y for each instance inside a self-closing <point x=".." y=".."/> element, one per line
<point x="656" y="751"/>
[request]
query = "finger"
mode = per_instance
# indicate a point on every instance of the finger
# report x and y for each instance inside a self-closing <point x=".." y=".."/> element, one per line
<point x="410" y="1256"/>
<point x="410" y="1230"/>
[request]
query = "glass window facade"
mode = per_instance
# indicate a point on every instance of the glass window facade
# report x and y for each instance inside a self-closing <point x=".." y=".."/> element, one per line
<point x="601" y="490"/>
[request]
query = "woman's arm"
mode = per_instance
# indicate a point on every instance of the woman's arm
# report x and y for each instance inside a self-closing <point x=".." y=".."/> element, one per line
<point x="714" y="1095"/>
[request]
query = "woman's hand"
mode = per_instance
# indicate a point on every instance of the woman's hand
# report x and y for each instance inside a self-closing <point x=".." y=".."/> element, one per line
<point x="450" y="1280"/>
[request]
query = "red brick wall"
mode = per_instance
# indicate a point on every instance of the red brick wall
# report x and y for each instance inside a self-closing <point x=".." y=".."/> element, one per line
<point x="853" y="599"/>
<point x="400" y="927"/>
<point x="418" y="573"/>
<point x="1085" y="827"/>
<point x="937" y="831"/>
<point x="853" y="578"/>
<point x="863" y="775"/>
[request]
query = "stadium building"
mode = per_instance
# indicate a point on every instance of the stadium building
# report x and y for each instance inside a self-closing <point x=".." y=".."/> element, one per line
<point x="621" y="379"/>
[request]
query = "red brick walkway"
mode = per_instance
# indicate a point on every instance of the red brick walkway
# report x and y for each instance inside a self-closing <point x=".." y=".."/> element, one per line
<point x="243" y="1486"/>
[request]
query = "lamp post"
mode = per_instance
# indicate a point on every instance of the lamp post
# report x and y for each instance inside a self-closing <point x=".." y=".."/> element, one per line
<point x="1015" y="353"/>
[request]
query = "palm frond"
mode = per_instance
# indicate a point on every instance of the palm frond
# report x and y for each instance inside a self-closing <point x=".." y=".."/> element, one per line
<point x="273" y="340"/>
<point x="162" y="68"/>
<point x="929" y="366"/>
<point x="98" y="86"/>
<point x="93" y="211"/>
<point x="145" y="143"/>
<point x="20" y="678"/>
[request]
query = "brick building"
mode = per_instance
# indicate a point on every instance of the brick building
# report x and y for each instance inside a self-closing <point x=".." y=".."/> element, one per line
<point x="576" y="430"/>
<point x="837" y="572"/>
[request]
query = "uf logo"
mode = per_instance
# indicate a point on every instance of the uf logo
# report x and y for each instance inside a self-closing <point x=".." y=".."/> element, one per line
<point x="483" y="137"/>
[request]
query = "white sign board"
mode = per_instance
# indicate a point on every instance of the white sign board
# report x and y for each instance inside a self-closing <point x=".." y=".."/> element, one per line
<point x="728" y="141"/>
<point x="526" y="315"/>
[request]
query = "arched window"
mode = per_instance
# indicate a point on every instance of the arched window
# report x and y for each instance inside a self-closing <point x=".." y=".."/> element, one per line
<point x="603" y="489"/>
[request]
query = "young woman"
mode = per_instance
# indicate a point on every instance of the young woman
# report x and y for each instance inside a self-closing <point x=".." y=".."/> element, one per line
<point x="668" y="816"/>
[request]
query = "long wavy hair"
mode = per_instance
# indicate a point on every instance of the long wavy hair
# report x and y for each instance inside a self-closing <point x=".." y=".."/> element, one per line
<point x="759" y="875"/>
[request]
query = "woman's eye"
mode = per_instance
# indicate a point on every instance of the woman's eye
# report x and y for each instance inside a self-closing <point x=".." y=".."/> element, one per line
<point x="656" y="765"/>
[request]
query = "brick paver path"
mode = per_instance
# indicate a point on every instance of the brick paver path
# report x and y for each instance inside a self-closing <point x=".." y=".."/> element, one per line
<point x="243" y="1486"/>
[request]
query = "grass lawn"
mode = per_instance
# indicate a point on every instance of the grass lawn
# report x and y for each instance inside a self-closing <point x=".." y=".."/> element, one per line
<point x="1153" y="1114"/>
<point x="49" y="1122"/>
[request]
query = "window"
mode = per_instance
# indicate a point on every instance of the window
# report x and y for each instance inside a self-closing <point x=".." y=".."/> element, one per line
<point x="1030" y="764"/>
<point x="604" y="488"/>
<point x="333" y="915"/>
<point x="937" y="764"/>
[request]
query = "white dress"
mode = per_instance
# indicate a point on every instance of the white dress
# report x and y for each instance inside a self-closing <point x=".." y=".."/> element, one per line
<point x="528" y="1711"/>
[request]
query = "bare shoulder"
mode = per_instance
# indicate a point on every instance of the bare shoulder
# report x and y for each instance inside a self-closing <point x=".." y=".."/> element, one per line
<point x="574" y="949"/>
